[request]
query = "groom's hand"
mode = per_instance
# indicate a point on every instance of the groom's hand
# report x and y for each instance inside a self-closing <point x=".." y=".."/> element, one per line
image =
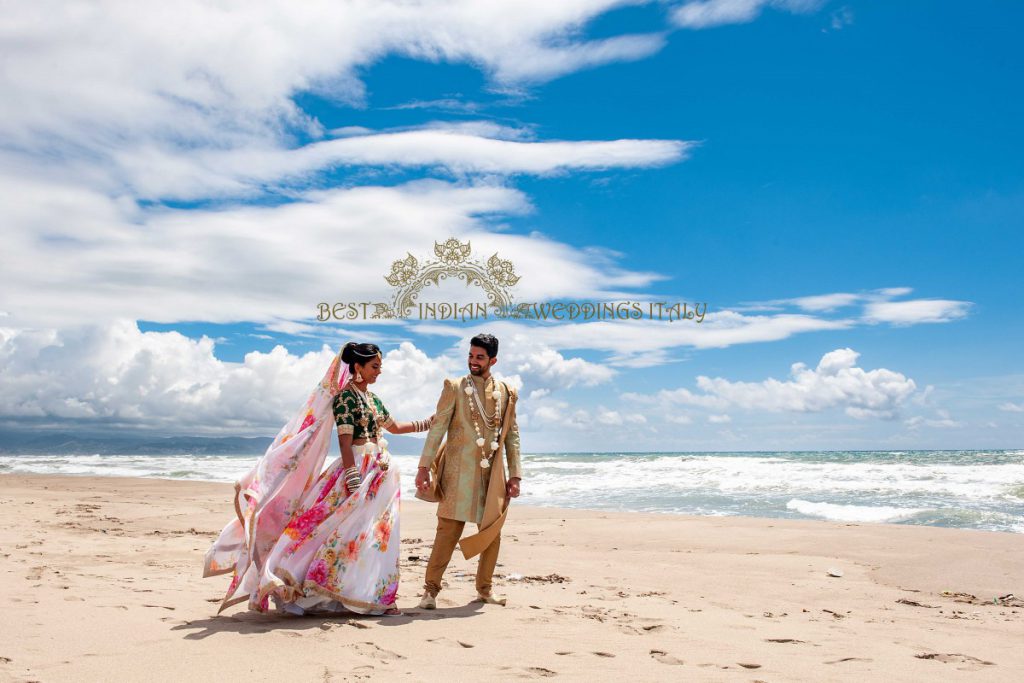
<point x="512" y="488"/>
<point x="423" y="479"/>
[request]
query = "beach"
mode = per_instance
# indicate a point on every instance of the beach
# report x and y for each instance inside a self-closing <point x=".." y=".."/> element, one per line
<point x="102" y="581"/>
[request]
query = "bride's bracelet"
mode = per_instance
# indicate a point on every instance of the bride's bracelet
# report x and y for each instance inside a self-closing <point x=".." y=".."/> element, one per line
<point x="352" y="478"/>
<point x="422" y="425"/>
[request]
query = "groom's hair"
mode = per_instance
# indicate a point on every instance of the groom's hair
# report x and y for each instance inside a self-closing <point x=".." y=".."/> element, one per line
<point x="487" y="342"/>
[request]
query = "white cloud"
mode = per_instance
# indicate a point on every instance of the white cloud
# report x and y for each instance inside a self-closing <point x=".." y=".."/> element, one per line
<point x="461" y="149"/>
<point x="174" y="102"/>
<point x="826" y="302"/>
<point x="546" y="367"/>
<point x="73" y="257"/>
<point x="878" y="306"/>
<point x="916" y="311"/>
<point x="117" y="376"/>
<point x="942" y="421"/>
<point x="411" y="381"/>
<point x="644" y="342"/>
<point x="836" y="382"/>
<point x="708" y="13"/>
<point x="1012" y="407"/>
<point x="719" y="419"/>
<point x="841" y="18"/>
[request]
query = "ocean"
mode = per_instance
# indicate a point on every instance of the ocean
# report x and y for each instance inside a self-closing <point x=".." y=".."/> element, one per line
<point x="971" y="489"/>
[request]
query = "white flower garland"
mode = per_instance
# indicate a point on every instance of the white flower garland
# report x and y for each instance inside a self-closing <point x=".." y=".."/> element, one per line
<point x="493" y="421"/>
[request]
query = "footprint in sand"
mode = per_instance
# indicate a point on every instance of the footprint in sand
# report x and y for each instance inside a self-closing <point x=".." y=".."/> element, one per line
<point x="782" y="640"/>
<point x="449" y="642"/>
<point x="375" y="651"/>
<point x="849" y="659"/>
<point x="665" y="658"/>
<point x="967" y="662"/>
<point x="541" y="671"/>
<point x="604" y="654"/>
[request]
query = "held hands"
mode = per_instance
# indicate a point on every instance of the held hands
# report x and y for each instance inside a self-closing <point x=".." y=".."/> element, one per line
<point x="423" y="479"/>
<point x="512" y="488"/>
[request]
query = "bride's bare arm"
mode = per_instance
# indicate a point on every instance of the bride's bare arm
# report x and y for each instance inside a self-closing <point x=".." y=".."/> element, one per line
<point x="348" y="457"/>
<point x="406" y="427"/>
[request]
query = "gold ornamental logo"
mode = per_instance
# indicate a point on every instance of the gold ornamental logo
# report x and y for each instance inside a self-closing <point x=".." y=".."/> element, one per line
<point x="453" y="260"/>
<point x="409" y="277"/>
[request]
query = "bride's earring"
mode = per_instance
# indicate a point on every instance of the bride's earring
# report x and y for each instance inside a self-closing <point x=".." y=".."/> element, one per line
<point x="359" y="377"/>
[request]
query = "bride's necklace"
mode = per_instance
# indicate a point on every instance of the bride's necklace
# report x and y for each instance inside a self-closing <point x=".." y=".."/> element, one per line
<point x="368" y="406"/>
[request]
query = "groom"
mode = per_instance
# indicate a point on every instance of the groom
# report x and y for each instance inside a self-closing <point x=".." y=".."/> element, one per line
<point x="472" y="480"/>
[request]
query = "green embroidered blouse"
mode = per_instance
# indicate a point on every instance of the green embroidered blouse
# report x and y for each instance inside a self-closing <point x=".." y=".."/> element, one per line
<point x="350" y="418"/>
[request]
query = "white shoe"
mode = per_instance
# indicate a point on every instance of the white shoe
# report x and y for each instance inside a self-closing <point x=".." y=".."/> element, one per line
<point x="428" y="601"/>
<point x="491" y="600"/>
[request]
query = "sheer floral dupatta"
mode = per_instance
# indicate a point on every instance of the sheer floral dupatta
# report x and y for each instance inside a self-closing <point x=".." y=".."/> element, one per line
<point x="268" y="496"/>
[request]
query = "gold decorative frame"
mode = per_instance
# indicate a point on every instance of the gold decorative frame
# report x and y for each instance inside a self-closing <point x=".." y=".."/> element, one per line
<point x="409" y="277"/>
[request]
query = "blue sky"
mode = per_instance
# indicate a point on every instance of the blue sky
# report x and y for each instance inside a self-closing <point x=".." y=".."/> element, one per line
<point x="867" y="153"/>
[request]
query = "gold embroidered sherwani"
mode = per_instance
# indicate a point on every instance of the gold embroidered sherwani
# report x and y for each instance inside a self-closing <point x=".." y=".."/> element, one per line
<point x="463" y="481"/>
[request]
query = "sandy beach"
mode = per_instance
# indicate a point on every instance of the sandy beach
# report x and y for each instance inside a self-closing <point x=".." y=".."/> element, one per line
<point x="102" y="581"/>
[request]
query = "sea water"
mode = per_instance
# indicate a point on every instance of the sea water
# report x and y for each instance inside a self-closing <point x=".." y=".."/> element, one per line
<point x="975" y="489"/>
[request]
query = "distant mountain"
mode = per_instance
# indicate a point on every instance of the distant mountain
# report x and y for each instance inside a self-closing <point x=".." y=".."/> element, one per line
<point x="63" y="443"/>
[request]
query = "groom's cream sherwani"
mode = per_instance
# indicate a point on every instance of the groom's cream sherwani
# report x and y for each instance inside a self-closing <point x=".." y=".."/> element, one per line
<point x="463" y="481"/>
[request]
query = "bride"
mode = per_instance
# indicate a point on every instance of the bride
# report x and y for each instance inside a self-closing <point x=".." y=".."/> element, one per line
<point x="312" y="541"/>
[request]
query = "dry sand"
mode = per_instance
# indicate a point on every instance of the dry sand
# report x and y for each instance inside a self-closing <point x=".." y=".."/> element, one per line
<point x="101" y="582"/>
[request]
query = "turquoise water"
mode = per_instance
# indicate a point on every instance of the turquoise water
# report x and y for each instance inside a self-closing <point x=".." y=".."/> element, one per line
<point x="977" y="489"/>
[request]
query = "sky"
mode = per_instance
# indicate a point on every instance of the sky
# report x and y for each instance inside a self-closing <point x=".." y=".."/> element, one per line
<point x="838" y="182"/>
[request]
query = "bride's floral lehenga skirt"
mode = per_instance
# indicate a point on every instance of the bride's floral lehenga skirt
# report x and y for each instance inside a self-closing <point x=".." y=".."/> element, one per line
<point x="339" y="551"/>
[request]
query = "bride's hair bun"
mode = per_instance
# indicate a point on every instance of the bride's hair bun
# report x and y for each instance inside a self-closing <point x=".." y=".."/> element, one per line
<point x="353" y="353"/>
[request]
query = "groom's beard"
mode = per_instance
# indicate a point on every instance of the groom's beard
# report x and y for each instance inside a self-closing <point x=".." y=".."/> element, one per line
<point x="477" y="371"/>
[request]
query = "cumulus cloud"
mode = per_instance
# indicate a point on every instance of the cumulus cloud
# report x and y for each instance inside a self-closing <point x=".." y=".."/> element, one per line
<point x="545" y="367"/>
<point x="411" y="381"/>
<point x="708" y="13"/>
<point x="836" y="382"/>
<point x="118" y="376"/>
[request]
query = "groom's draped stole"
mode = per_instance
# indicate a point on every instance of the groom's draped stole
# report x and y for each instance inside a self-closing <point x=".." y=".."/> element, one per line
<point x="496" y="503"/>
<point x="272" y="491"/>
